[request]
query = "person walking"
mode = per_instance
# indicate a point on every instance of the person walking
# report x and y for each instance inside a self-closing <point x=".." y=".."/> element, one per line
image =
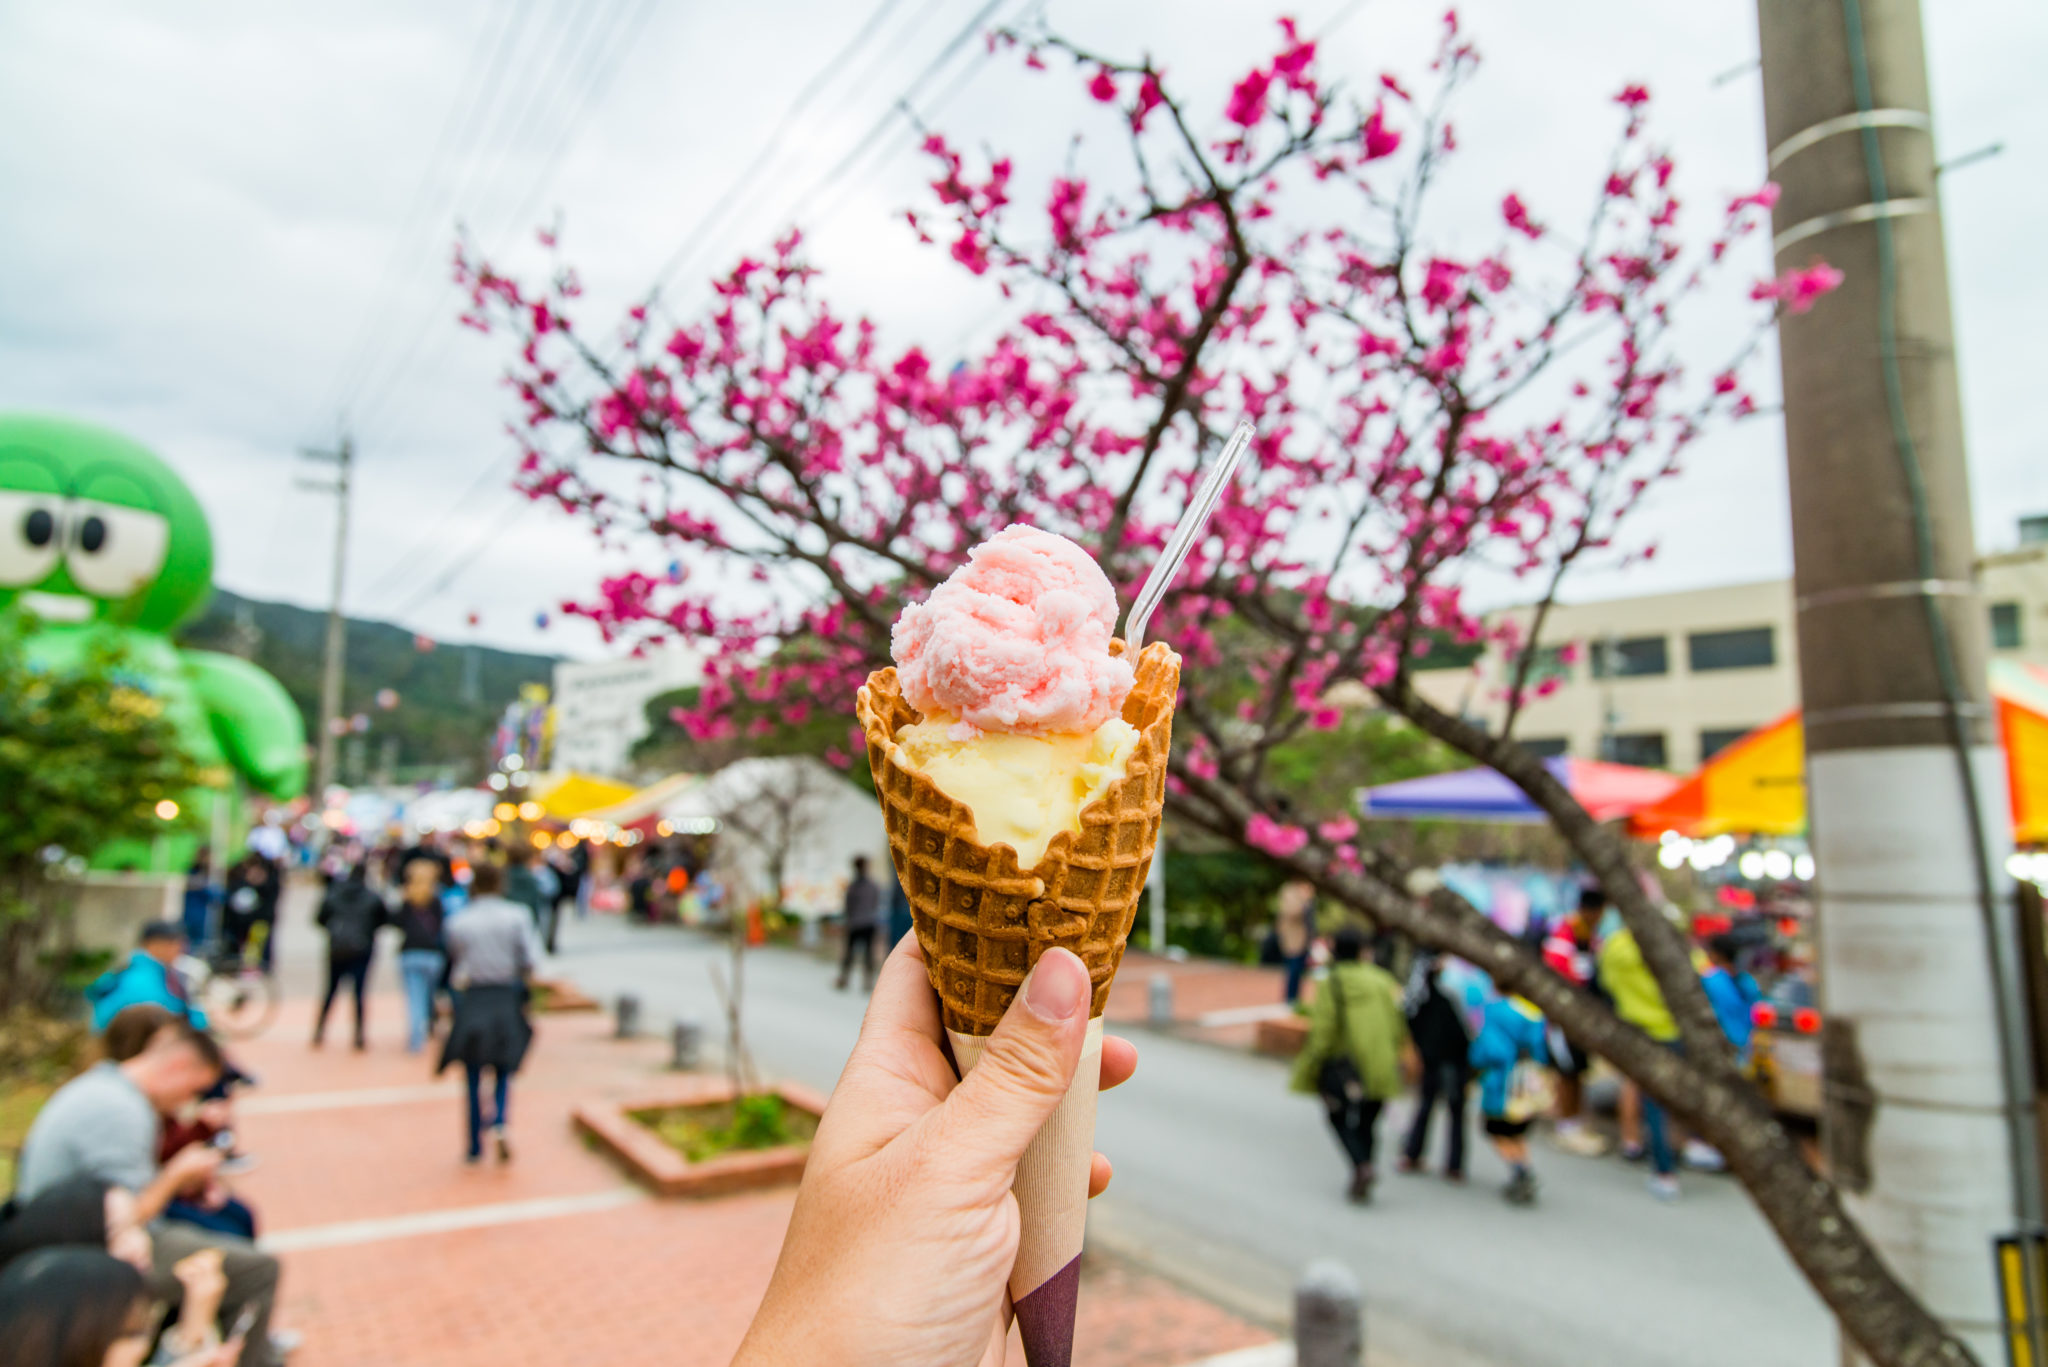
<point x="351" y="913"/>
<point x="491" y="956"/>
<point x="862" y="914"/>
<point x="251" y="901"/>
<point x="199" y="898"/>
<point x="1511" y="1057"/>
<point x="1640" y="1002"/>
<point x="1437" y="1027"/>
<point x="421" y="956"/>
<point x="1571" y="950"/>
<point x="1294" y="933"/>
<point x="1352" y="1059"/>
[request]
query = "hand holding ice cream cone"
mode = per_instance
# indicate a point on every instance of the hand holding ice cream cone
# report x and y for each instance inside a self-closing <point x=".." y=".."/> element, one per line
<point x="1021" y="761"/>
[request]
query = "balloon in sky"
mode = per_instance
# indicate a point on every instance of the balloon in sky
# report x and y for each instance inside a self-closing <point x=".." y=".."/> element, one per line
<point x="100" y="541"/>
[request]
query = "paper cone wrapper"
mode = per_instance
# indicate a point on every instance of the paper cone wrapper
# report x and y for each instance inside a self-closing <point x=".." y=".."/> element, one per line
<point x="983" y="922"/>
<point x="1052" y="1207"/>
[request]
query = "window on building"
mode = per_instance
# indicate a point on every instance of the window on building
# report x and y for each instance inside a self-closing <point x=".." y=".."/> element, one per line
<point x="1549" y="663"/>
<point x="1547" y="747"/>
<point x="2034" y="530"/>
<point x="1748" y="648"/>
<point x="1637" y="655"/>
<point x="1642" y="748"/>
<point x="2005" y="626"/>
<point x="1716" y="739"/>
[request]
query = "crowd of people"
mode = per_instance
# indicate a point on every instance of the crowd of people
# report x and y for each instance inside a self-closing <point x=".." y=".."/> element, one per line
<point x="1371" y="1036"/>
<point x="124" y="1241"/>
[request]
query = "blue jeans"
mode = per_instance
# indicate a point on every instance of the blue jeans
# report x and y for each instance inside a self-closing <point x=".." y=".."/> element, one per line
<point x="421" y="971"/>
<point x="501" y="1080"/>
<point x="1297" y="968"/>
<point x="1657" y="1130"/>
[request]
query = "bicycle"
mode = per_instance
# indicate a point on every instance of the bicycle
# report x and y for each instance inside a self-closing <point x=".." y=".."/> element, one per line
<point x="232" y="988"/>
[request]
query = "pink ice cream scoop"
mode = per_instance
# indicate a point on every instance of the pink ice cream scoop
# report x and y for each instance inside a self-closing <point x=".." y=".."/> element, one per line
<point x="1016" y="640"/>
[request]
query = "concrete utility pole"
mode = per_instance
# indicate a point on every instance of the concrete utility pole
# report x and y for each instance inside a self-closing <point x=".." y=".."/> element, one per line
<point x="1929" y="1119"/>
<point x="341" y="459"/>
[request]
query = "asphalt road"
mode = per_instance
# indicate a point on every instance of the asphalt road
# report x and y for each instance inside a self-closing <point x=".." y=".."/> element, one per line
<point x="1229" y="1182"/>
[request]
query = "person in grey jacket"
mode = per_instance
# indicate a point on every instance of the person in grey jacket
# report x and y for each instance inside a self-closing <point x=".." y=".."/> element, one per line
<point x="863" y="915"/>
<point x="491" y="955"/>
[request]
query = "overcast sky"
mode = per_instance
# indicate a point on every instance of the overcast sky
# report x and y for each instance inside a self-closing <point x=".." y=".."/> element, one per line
<point x="224" y="224"/>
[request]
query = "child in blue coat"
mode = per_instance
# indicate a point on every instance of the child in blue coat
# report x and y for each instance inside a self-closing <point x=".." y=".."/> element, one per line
<point x="1511" y="1032"/>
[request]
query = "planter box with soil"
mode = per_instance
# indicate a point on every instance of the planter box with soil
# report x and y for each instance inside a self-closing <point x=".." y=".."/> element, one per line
<point x="696" y="1137"/>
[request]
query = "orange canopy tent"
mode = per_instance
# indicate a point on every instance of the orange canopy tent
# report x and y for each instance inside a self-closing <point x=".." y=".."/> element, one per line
<point x="1757" y="786"/>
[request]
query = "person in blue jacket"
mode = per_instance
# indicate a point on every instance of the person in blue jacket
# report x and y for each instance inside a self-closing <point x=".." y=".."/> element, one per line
<point x="1511" y="1031"/>
<point x="148" y="976"/>
<point x="1731" y="992"/>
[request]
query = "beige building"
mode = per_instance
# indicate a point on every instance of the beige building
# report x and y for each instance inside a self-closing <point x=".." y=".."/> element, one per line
<point x="1667" y="679"/>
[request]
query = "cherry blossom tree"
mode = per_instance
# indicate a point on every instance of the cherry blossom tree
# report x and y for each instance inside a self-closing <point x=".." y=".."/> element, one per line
<point x="1426" y="415"/>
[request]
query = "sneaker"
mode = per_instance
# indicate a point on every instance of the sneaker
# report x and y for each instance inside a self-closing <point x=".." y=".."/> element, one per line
<point x="1579" y="1141"/>
<point x="1633" y="1153"/>
<point x="1664" y="1188"/>
<point x="1407" y="1166"/>
<point x="1360" y="1191"/>
<point x="501" y="1143"/>
<point x="1520" y="1190"/>
<point x="1704" y="1157"/>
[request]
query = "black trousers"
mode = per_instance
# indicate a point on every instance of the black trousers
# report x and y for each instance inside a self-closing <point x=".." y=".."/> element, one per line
<point x="860" y="938"/>
<point x="1356" y="1121"/>
<point x="1446" y="1083"/>
<point x="354" y="970"/>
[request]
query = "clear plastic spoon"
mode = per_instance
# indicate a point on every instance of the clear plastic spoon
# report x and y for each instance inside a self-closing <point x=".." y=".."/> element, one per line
<point x="1182" y="541"/>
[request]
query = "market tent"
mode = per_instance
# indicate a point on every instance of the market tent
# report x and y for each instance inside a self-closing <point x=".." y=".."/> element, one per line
<point x="1605" y="790"/>
<point x="2021" y="694"/>
<point x="568" y="794"/>
<point x="1757" y="786"/>
<point x="646" y="804"/>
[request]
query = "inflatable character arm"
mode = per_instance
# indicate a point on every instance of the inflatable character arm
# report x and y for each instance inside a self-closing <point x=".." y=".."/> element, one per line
<point x="255" y="720"/>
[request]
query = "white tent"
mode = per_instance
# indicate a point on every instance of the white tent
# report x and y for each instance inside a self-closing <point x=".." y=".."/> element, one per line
<point x="798" y="806"/>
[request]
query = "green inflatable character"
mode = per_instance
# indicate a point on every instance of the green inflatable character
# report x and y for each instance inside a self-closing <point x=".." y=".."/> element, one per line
<point x="102" y="542"/>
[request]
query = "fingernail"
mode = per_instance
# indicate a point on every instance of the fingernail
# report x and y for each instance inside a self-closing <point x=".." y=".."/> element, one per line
<point x="1058" y="987"/>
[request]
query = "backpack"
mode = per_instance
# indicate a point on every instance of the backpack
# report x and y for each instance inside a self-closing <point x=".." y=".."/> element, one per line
<point x="1532" y="1091"/>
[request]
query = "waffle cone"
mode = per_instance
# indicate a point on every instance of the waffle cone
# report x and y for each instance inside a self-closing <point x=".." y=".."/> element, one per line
<point x="981" y="920"/>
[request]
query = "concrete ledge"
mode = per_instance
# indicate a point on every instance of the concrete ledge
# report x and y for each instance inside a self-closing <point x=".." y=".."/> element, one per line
<point x="668" y="1172"/>
<point x="1281" y="1036"/>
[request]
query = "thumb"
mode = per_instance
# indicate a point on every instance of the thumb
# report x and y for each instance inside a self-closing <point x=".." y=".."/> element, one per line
<point x="1026" y="1067"/>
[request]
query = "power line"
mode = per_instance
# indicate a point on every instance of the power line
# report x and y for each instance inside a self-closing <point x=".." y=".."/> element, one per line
<point x="757" y="167"/>
<point x="599" y="60"/>
<point x="456" y="132"/>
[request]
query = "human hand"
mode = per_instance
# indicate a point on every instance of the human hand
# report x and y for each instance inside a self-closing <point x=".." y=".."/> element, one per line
<point x="217" y="1115"/>
<point x="193" y="1165"/>
<point x="204" y="1280"/>
<point x="904" y="1232"/>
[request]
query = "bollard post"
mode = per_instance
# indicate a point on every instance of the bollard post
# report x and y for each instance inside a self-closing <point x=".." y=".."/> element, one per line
<point x="1159" y="1001"/>
<point x="1329" y="1317"/>
<point x="683" y="1041"/>
<point x="628" y="1017"/>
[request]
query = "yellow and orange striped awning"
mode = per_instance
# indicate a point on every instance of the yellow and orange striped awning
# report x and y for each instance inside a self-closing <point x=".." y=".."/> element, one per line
<point x="1757" y="786"/>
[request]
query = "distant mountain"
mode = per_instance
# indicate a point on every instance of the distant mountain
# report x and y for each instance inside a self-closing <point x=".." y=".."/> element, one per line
<point x="449" y="698"/>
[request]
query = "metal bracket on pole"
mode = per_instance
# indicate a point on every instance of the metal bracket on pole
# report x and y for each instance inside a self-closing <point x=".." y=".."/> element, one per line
<point x="1848" y="123"/>
<point x="1902" y="588"/>
<point x="1842" y="218"/>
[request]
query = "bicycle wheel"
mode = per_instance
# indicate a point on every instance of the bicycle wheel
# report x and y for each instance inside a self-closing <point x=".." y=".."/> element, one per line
<point x="239" y="1002"/>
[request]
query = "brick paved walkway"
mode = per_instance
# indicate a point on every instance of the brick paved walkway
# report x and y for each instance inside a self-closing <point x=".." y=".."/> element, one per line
<point x="396" y="1254"/>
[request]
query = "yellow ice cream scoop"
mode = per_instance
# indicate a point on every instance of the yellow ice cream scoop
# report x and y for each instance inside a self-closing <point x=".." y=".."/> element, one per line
<point x="1023" y="790"/>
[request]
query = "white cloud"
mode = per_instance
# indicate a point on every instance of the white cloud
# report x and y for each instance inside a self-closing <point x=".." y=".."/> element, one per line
<point x="201" y="204"/>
